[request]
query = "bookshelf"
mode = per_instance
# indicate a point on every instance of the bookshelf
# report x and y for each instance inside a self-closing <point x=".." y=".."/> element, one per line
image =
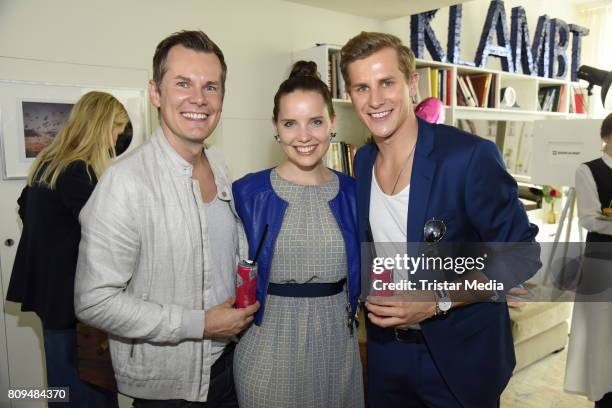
<point x="536" y="99"/>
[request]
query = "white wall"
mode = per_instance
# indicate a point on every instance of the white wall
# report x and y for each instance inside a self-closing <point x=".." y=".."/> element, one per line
<point x="474" y="15"/>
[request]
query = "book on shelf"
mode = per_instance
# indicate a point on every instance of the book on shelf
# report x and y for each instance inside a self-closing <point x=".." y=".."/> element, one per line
<point x="552" y="98"/>
<point x="442" y="82"/>
<point x="340" y="157"/>
<point x="460" y="98"/>
<point x="342" y="93"/>
<point x="492" y="95"/>
<point x="465" y="92"/>
<point x="449" y="81"/>
<point x="470" y="86"/>
<point x="344" y="157"/>
<point x="329" y="72"/>
<point x="335" y="81"/>
<point x="352" y="149"/>
<point x="562" y="96"/>
<point x="334" y="75"/>
<point x="488" y="86"/>
<point x="331" y="157"/>
<point x="424" y="86"/>
<point x="480" y="85"/>
<point x="544" y="98"/>
<point x="578" y="100"/>
<point x="549" y="100"/>
<point x="434" y="83"/>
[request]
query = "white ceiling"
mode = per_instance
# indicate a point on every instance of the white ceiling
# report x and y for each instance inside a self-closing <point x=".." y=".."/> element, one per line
<point x="379" y="9"/>
<point x="592" y="2"/>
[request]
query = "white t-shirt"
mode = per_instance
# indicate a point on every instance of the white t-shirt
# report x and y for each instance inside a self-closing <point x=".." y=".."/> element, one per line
<point x="388" y="220"/>
<point x="389" y="223"/>
<point x="223" y="239"/>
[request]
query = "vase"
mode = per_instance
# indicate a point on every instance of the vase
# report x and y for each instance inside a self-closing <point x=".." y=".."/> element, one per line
<point x="551" y="217"/>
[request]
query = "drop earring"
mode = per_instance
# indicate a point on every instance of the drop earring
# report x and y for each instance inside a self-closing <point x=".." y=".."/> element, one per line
<point x="277" y="138"/>
<point x="332" y="135"/>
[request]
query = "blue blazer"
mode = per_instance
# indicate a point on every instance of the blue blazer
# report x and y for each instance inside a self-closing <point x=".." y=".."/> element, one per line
<point x="461" y="179"/>
<point x="257" y="205"/>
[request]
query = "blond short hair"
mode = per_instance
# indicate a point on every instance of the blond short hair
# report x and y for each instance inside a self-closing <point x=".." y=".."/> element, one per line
<point x="368" y="43"/>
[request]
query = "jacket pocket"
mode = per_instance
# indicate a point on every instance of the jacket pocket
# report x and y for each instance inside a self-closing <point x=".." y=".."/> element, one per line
<point x="153" y="361"/>
<point x="474" y="319"/>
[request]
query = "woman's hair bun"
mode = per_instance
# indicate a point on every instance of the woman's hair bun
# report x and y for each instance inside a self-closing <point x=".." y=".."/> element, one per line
<point x="304" y="69"/>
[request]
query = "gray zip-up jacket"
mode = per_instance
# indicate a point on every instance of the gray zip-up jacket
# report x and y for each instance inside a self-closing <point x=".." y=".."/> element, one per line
<point x="144" y="266"/>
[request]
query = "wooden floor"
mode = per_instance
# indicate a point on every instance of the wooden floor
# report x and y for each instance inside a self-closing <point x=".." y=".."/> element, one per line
<point x="540" y="385"/>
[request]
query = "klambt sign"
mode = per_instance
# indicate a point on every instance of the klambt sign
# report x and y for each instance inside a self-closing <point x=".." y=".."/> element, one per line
<point x="546" y="56"/>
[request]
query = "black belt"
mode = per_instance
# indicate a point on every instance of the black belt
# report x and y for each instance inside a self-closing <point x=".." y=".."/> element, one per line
<point x="381" y="335"/>
<point x="306" y="289"/>
<point x="409" y="336"/>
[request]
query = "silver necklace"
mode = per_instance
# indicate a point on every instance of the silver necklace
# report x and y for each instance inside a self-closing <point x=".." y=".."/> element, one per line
<point x="403" y="168"/>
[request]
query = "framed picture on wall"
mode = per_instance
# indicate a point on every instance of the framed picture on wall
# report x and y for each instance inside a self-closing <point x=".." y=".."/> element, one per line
<point x="33" y="113"/>
<point x="39" y="122"/>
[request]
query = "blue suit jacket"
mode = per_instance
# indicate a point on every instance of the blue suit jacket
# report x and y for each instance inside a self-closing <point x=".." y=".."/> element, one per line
<point x="461" y="179"/>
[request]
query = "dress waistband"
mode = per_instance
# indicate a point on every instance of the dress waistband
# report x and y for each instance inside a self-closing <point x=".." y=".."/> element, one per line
<point x="306" y="289"/>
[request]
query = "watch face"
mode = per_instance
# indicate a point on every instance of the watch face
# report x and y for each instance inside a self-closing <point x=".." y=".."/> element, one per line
<point x="445" y="304"/>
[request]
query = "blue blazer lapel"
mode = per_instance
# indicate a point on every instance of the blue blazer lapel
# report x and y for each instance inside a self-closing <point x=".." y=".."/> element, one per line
<point x="364" y="183"/>
<point x="423" y="170"/>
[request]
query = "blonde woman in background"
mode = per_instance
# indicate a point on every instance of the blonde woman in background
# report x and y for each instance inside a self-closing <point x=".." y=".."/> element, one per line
<point x="60" y="181"/>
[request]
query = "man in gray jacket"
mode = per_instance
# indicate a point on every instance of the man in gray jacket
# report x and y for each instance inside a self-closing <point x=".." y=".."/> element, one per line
<point x="150" y="272"/>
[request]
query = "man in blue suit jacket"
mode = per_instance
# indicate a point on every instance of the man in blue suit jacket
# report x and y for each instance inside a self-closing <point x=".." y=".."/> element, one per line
<point x="439" y="351"/>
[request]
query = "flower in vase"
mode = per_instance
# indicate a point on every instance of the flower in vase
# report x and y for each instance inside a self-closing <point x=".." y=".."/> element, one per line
<point x="551" y="193"/>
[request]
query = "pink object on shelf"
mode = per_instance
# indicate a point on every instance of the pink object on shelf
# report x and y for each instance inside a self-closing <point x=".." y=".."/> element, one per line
<point x="430" y="110"/>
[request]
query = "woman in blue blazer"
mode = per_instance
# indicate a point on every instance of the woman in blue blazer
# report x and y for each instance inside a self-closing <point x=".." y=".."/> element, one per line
<point x="302" y="350"/>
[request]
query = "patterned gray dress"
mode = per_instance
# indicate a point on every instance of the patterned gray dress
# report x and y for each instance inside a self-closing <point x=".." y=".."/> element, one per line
<point x="302" y="355"/>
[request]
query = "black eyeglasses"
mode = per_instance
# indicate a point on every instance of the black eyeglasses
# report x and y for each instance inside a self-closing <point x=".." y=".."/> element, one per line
<point x="434" y="230"/>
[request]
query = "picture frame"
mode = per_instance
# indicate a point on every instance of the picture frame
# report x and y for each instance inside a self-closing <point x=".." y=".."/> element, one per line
<point x="31" y="113"/>
<point x="38" y="122"/>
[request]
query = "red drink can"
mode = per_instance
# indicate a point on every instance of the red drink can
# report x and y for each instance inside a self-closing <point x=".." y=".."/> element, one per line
<point x="378" y="282"/>
<point x="246" y="283"/>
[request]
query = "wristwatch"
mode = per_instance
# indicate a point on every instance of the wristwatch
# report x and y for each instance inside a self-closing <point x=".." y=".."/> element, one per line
<point x="443" y="302"/>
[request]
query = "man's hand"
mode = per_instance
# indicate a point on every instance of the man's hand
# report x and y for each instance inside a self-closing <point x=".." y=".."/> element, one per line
<point x="225" y="321"/>
<point x="402" y="313"/>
